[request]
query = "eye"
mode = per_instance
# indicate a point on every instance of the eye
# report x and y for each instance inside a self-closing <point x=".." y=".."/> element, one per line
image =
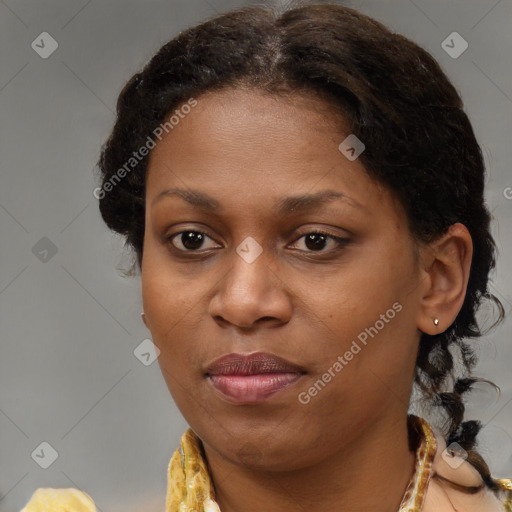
<point x="316" y="240"/>
<point x="188" y="241"/>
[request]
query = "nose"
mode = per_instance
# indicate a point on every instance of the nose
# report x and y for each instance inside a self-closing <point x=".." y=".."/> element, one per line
<point x="250" y="294"/>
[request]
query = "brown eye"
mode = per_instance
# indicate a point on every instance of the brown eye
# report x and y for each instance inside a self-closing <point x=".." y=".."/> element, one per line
<point x="188" y="241"/>
<point x="316" y="241"/>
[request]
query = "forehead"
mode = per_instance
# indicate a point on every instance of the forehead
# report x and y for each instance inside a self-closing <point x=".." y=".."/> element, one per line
<point x="247" y="121"/>
<point x="245" y="146"/>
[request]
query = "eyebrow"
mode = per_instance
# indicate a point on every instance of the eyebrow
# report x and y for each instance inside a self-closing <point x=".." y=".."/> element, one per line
<point x="284" y="206"/>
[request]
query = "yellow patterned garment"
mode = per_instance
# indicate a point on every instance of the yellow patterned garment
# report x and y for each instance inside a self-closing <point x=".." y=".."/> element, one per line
<point x="433" y="487"/>
<point x="46" y="499"/>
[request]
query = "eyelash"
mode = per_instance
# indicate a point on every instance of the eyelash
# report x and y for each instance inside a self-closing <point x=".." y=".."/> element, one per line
<point x="341" y="242"/>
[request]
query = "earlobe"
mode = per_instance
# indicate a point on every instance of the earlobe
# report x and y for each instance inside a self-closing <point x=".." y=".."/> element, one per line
<point x="144" y="319"/>
<point x="448" y="273"/>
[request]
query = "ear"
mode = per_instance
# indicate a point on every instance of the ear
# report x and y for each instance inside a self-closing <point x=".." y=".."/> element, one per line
<point x="445" y="266"/>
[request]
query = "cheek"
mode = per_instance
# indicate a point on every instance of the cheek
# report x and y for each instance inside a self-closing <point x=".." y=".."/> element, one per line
<point x="368" y="309"/>
<point x="172" y="309"/>
<point x="167" y="294"/>
<point x="355" y="296"/>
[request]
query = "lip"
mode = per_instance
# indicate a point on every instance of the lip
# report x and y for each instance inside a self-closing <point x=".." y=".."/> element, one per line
<point x="251" y="364"/>
<point x="252" y="378"/>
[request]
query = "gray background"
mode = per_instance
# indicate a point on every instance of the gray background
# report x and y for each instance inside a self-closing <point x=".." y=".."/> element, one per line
<point x="69" y="325"/>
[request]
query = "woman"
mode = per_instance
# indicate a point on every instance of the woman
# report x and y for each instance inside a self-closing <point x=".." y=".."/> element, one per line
<point x="305" y="197"/>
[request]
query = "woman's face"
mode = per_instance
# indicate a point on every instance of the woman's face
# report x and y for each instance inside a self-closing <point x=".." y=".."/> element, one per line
<point x="344" y="313"/>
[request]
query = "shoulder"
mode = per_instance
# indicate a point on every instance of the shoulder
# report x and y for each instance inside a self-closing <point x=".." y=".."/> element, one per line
<point x="48" y="499"/>
<point x="450" y="475"/>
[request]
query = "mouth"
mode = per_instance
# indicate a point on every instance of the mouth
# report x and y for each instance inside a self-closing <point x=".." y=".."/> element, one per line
<point x="253" y="378"/>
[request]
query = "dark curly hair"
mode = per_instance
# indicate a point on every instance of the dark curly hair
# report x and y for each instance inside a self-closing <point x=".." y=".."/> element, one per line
<point x="390" y="92"/>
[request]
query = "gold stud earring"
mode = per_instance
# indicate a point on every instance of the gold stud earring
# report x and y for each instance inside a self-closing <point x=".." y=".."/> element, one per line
<point x="436" y="321"/>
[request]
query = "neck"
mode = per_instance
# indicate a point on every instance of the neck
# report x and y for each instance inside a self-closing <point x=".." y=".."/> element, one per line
<point x="371" y="473"/>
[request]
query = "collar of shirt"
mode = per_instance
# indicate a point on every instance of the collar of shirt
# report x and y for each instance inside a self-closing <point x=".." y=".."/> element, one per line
<point x="437" y="484"/>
